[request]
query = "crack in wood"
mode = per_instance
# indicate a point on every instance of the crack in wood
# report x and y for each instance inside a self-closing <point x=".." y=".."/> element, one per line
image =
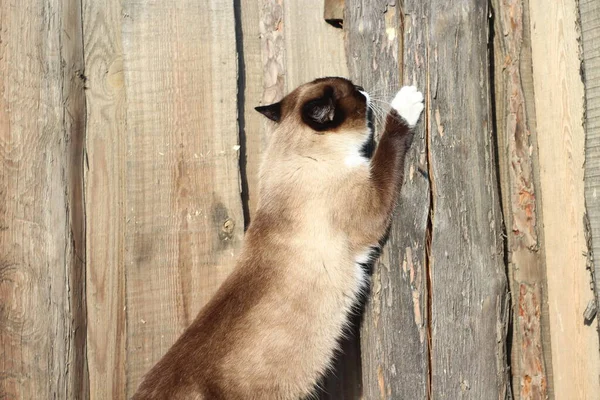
<point x="429" y="228"/>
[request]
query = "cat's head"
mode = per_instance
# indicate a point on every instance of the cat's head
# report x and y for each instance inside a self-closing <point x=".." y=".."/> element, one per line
<point x="324" y="106"/>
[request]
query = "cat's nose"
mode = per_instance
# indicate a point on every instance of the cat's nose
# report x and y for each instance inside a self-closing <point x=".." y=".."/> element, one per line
<point x="359" y="88"/>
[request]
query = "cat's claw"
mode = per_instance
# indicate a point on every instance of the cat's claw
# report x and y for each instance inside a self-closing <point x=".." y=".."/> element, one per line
<point x="408" y="103"/>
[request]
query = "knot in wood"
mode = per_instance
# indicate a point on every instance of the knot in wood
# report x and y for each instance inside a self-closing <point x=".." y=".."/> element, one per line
<point x="227" y="229"/>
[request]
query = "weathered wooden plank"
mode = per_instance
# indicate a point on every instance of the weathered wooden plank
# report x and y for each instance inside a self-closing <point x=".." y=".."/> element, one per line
<point x="589" y="11"/>
<point x="559" y="96"/>
<point x="105" y="198"/>
<point x="183" y="214"/>
<point x="272" y="50"/>
<point x="272" y="76"/>
<point x="313" y="48"/>
<point x="253" y="138"/>
<point x="517" y="152"/>
<point x="468" y="281"/>
<point x="42" y="252"/>
<point x="394" y="331"/>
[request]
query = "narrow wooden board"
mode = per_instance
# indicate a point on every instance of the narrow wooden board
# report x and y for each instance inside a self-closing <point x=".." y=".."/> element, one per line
<point x="559" y="95"/>
<point x="105" y="198"/>
<point x="183" y="213"/>
<point x="519" y="182"/>
<point x="42" y="253"/>
<point x="253" y="138"/>
<point x="466" y="269"/>
<point x="589" y="11"/>
<point x="394" y="330"/>
<point x="469" y="312"/>
<point x="313" y="48"/>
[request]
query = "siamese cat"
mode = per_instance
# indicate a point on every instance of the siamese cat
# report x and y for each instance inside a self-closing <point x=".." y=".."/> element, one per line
<point x="271" y="330"/>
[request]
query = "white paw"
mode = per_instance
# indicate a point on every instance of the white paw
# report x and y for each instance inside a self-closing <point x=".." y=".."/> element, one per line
<point x="409" y="104"/>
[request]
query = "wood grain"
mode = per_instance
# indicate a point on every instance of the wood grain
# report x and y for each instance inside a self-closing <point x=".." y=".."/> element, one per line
<point x="183" y="214"/>
<point x="313" y="48"/>
<point x="589" y="11"/>
<point x="519" y="173"/>
<point x="469" y="312"/>
<point x="394" y="331"/>
<point x="105" y="198"/>
<point x="559" y="96"/>
<point x="42" y="274"/>
<point x="252" y="123"/>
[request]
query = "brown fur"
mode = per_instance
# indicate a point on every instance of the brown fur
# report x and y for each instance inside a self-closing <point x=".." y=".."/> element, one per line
<point x="272" y="328"/>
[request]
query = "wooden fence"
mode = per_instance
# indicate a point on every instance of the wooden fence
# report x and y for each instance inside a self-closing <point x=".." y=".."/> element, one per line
<point x="129" y="151"/>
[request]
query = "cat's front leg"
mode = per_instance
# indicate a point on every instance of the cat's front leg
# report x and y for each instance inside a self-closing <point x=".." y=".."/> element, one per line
<point x="387" y="165"/>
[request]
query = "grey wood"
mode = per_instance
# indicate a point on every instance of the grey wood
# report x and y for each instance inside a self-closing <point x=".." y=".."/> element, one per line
<point x="453" y="289"/>
<point x="394" y="330"/>
<point x="468" y="279"/>
<point x="42" y="248"/>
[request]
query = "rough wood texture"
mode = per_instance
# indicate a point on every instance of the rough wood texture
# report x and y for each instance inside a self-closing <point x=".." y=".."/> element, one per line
<point x="42" y="109"/>
<point x="468" y="280"/>
<point x="183" y="214"/>
<point x="272" y="50"/>
<point x="105" y="198"/>
<point x="517" y="151"/>
<point x="394" y="330"/>
<point x="313" y="48"/>
<point x="559" y="96"/>
<point x="271" y="74"/>
<point x="590" y="34"/>
<point x="253" y="138"/>
<point x="446" y="41"/>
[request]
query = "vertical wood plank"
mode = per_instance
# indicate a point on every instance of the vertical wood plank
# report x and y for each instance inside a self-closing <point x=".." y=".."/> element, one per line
<point x="468" y="282"/>
<point x="589" y="11"/>
<point x="252" y="127"/>
<point x="273" y="48"/>
<point x="313" y="47"/>
<point x="394" y="330"/>
<point x="183" y="214"/>
<point x="519" y="173"/>
<point x="105" y="197"/>
<point x="559" y="95"/>
<point x="42" y="252"/>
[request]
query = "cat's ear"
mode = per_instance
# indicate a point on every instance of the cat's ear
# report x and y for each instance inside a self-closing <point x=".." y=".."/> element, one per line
<point x="320" y="112"/>
<point x="272" y="111"/>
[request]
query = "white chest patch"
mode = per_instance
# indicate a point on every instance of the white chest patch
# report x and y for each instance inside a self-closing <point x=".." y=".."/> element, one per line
<point x="355" y="159"/>
<point x="365" y="257"/>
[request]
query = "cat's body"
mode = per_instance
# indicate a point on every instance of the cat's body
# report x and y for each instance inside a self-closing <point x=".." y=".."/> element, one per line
<point x="271" y="330"/>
